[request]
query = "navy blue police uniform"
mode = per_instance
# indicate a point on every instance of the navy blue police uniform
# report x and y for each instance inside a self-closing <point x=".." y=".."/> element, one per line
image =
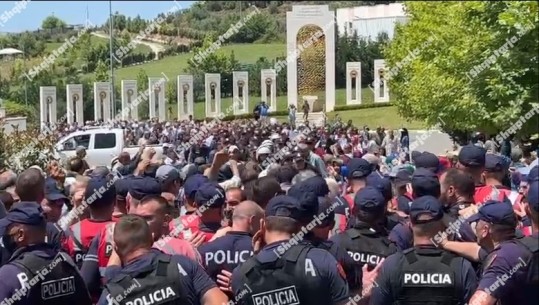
<point x="358" y="168"/>
<point x="426" y="182"/>
<point x="156" y="278"/>
<point x="325" y="217"/>
<point x="505" y="269"/>
<point x="226" y="252"/>
<point x="96" y="259"/>
<point x="364" y="244"/>
<point x="289" y="271"/>
<point x="383" y="185"/>
<point x="424" y="274"/>
<point x="38" y="273"/>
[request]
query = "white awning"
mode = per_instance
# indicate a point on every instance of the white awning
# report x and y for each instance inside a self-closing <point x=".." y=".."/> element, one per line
<point x="10" y="51"/>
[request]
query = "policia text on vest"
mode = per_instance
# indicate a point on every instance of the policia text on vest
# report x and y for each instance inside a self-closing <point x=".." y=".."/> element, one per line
<point x="49" y="289"/>
<point x="116" y="300"/>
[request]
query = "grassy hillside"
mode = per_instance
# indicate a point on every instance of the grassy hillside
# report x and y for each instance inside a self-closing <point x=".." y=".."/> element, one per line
<point x="51" y="46"/>
<point x="174" y="65"/>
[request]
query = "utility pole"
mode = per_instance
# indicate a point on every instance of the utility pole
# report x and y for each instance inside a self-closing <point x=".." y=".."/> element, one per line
<point x="111" y="27"/>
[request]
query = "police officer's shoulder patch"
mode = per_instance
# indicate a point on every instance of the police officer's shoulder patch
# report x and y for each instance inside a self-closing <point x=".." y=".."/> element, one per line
<point x="341" y="270"/>
<point x="489" y="261"/>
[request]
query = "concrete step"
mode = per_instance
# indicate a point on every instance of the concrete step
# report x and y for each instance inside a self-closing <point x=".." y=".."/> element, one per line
<point x="316" y="119"/>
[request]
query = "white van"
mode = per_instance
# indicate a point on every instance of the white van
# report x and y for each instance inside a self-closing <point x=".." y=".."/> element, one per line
<point x="102" y="146"/>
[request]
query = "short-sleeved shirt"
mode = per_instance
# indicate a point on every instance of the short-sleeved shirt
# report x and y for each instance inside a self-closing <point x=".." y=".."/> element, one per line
<point x="504" y="273"/>
<point x="325" y="267"/>
<point x="384" y="292"/>
<point x="194" y="280"/>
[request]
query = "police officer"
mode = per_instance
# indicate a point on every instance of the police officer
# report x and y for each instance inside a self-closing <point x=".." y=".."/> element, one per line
<point x="427" y="160"/>
<point x="508" y="259"/>
<point x="471" y="159"/>
<point x="424" y="274"/>
<point x="496" y="170"/>
<point x="324" y="223"/>
<point x="383" y="185"/>
<point x="287" y="270"/>
<point x="424" y="183"/>
<point x="229" y="251"/>
<point x="152" y="277"/>
<point x="36" y="272"/>
<point x="100" y="249"/>
<point x="30" y="186"/>
<point x="100" y="197"/>
<point x="358" y="170"/>
<point x="367" y="241"/>
<point x="189" y="219"/>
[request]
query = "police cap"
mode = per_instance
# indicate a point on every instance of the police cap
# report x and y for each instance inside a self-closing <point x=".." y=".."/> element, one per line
<point x="359" y="168"/>
<point x="211" y="195"/>
<point x="472" y="156"/>
<point x="495" y="212"/>
<point x="24" y="212"/>
<point x="426" y="205"/>
<point x="143" y="186"/>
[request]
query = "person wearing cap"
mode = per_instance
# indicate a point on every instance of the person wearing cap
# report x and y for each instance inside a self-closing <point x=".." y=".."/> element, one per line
<point x="367" y="240"/>
<point x="30" y="186"/>
<point x="99" y="249"/>
<point x="235" y="246"/>
<point x="140" y="186"/>
<point x="319" y="235"/>
<point x="358" y="170"/>
<point x="472" y="159"/>
<point x="285" y="268"/>
<point x="401" y="180"/>
<point x="161" y="278"/>
<point x="56" y="202"/>
<point x="425" y="274"/>
<point x="99" y="199"/>
<point x="495" y="171"/>
<point x="171" y="180"/>
<point x="424" y="183"/>
<point x="80" y="152"/>
<point x="24" y="230"/>
<point x="509" y="258"/>
<point x="427" y="160"/>
<point x="189" y="219"/>
<point x="383" y="185"/>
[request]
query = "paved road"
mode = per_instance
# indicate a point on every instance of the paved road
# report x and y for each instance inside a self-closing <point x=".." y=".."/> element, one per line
<point x="433" y="141"/>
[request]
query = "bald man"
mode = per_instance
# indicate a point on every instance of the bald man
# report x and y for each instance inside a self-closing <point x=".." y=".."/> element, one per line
<point x="235" y="247"/>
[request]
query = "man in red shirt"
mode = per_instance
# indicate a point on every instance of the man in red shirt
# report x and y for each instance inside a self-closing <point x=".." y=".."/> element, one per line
<point x="495" y="170"/>
<point x="472" y="161"/>
<point x="100" y="197"/>
<point x="210" y="201"/>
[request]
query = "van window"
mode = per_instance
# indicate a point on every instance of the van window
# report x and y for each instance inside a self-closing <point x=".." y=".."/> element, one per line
<point x="76" y="141"/>
<point x="105" y="140"/>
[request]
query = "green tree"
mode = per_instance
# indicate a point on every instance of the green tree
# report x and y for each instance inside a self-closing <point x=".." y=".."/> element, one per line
<point x="101" y="72"/>
<point x="452" y="62"/>
<point x="142" y="86"/>
<point x="52" y="22"/>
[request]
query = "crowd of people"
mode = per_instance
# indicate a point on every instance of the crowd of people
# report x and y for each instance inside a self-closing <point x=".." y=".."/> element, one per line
<point x="264" y="213"/>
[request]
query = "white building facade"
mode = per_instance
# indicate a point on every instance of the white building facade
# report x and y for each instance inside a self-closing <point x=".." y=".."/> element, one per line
<point x="369" y="21"/>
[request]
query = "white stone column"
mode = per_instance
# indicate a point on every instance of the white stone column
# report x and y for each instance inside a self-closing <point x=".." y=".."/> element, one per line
<point x="379" y="81"/>
<point x="47" y="106"/>
<point x="353" y="77"/>
<point x="240" y="84"/>
<point x="74" y="98"/>
<point x="129" y="100"/>
<point x="185" y="97"/>
<point x="102" y="99"/>
<point x="213" y="94"/>
<point x="268" y="81"/>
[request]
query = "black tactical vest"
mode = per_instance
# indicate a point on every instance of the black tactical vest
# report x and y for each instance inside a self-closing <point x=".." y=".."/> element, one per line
<point x="157" y="284"/>
<point x="283" y="280"/>
<point x="532" y="279"/>
<point x="53" y="281"/>
<point x="366" y="246"/>
<point x="427" y="278"/>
